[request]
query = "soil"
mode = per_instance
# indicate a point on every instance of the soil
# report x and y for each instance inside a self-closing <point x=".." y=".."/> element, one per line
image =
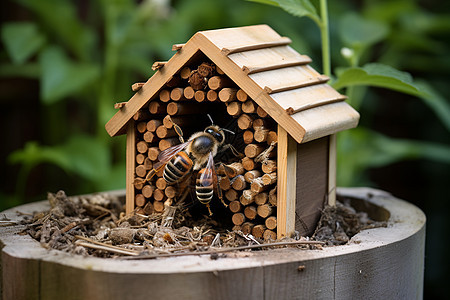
<point x="96" y="225"/>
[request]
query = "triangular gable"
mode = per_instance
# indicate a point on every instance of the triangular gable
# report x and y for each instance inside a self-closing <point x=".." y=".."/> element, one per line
<point x="274" y="75"/>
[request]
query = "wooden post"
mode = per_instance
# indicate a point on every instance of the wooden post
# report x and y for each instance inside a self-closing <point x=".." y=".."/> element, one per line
<point x="286" y="184"/>
<point x="332" y="170"/>
<point x="130" y="166"/>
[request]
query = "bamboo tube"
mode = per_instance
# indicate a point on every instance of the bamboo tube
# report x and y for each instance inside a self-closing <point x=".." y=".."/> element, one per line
<point x="269" y="166"/>
<point x="227" y="94"/>
<point x="257" y="186"/>
<point x="162" y="132"/>
<point x="149" y="137"/>
<point x="153" y="124"/>
<point x="139" y="186"/>
<point x="247" y="136"/>
<point x="141" y="127"/>
<point x="235" y="169"/>
<point x="153" y="153"/>
<point x="141" y="115"/>
<point x="212" y="95"/>
<point x="219" y="71"/>
<point x="258" y="231"/>
<point x="261" y="112"/>
<point x="147" y="190"/>
<point x="159" y="195"/>
<point x="261" y="198"/>
<point x="273" y="197"/>
<point x="250" y="212"/>
<point x="173" y="82"/>
<point x="167" y="143"/>
<point x="236" y="228"/>
<point x="170" y="192"/>
<point x="142" y="147"/>
<point x="234" y="108"/>
<point x="164" y="95"/>
<point x="185" y="72"/>
<point x="252" y="150"/>
<point x="188" y="92"/>
<point x="272" y="136"/>
<point x="251" y="175"/>
<point x="261" y="135"/>
<point x="148" y="164"/>
<point x="248" y="197"/>
<point x="160" y="172"/>
<point x="269" y="178"/>
<point x="139" y="200"/>
<point x="248" y="163"/>
<point x="157" y="108"/>
<point x="264" y="210"/>
<point x="269" y="235"/>
<point x="261" y="123"/>
<point x="241" y="95"/>
<point x="158" y="65"/>
<point x="200" y="96"/>
<point x="158" y="206"/>
<point x="140" y="158"/>
<point x="245" y="121"/>
<point x="219" y="82"/>
<point x="238" y="218"/>
<point x="206" y="69"/>
<point x="177" y="94"/>
<point x="239" y="183"/>
<point x="249" y="107"/>
<point x="235" y="206"/>
<point x="231" y="195"/>
<point x="224" y="183"/>
<point x="148" y="208"/>
<point x="161" y="183"/>
<point x="197" y="81"/>
<point x="247" y="227"/>
<point x="140" y="171"/>
<point x="271" y="222"/>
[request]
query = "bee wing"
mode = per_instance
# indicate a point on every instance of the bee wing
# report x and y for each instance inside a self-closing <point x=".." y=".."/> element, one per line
<point x="208" y="174"/>
<point x="167" y="154"/>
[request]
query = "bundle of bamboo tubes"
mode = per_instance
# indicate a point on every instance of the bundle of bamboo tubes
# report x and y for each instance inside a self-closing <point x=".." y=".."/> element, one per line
<point x="249" y="185"/>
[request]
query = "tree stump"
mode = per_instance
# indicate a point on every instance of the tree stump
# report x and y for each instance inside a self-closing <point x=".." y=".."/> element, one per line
<point x="380" y="263"/>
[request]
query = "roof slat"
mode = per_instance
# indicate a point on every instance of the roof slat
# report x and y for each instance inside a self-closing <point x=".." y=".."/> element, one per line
<point x="309" y="82"/>
<point x="290" y="110"/>
<point x="257" y="45"/>
<point x="290" y="62"/>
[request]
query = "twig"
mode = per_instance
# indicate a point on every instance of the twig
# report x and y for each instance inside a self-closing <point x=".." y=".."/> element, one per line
<point x="228" y="249"/>
<point x="104" y="246"/>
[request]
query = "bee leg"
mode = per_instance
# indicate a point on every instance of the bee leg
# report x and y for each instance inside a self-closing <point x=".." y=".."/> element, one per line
<point x="209" y="209"/>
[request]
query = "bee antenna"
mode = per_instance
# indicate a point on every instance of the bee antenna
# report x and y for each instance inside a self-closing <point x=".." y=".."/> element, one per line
<point x="212" y="122"/>
<point x="227" y="130"/>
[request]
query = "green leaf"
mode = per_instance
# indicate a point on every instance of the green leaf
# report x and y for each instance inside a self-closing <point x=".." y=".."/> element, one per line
<point x="62" y="77"/>
<point x="82" y="155"/>
<point x="378" y="75"/>
<point x="22" y="40"/>
<point x="357" y="32"/>
<point x="298" y="8"/>
<point x="383" y="76"/>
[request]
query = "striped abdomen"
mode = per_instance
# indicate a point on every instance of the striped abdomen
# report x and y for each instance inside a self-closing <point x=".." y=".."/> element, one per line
<point x="204" y="187"/>
<point x="177" y="167"/>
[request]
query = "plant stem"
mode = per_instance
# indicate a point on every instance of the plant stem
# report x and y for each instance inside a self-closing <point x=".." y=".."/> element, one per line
<point x="325" y="35"/>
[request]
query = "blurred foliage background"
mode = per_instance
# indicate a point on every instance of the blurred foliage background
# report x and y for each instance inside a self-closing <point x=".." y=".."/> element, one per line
<point x="63" y="64"/>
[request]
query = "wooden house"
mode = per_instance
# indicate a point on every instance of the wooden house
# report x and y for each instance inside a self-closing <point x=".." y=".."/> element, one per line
<point x="269" y="90"/>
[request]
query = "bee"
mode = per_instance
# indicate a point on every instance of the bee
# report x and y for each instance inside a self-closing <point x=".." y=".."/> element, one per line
<point x="195" y="155"/>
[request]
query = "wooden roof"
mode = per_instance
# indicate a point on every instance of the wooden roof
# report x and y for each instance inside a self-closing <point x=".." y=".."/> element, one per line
<point x="274" y="75"/>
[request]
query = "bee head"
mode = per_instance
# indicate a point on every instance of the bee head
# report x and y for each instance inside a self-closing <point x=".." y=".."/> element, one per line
<point x="216" y="132"/>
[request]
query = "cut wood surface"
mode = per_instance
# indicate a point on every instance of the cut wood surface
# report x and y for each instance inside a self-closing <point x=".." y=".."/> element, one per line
<point x="392" y="258"/>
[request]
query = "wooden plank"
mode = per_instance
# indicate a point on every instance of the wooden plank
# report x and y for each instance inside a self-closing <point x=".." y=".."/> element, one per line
<point x="130" y="166"/>
<point x="257" y="45"/>
<point x="286" y="184"/>
<point x="339" y="116"/>
<point x="283" y="79"/>
<point x="290" y="110"/>
<point x="254" y="61"/>
<point x="332" y="160"/>
<point x="312" y="184"/>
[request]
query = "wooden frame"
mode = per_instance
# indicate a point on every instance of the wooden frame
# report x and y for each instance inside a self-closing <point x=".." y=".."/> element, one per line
<point x="130" y="166"/>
